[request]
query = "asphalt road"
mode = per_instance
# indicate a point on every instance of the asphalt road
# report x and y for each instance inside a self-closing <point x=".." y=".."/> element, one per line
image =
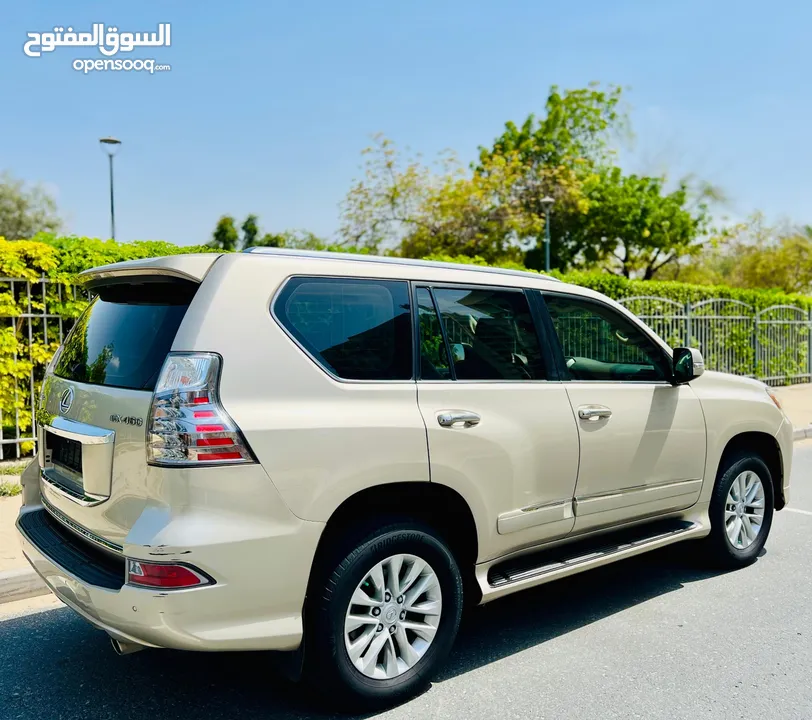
<point x="652" y="637"/>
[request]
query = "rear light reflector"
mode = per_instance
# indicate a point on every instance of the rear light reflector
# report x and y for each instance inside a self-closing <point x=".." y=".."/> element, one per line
<point x="162" y="575"/>
<point x="211" y="442"/>
<point x="185" y="394"/>
<point x="203" y="456"/>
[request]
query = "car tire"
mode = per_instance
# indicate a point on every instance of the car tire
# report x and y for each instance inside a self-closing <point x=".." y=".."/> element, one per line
<point x="387" y="672"/>
<point x="735" y="541"/>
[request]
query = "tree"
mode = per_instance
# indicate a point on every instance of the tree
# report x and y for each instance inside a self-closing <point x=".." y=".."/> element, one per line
<point x="25" y="211"/>
<point x="752" y="255"/>
<point x="576" y="130"/>
<point x="271" y="240"/>
<point x="632" y="225"/>
<point x="404" y="206"/>
<point x="572" y="142"/>
<point x="295" y="239"/>
<point x="250" y="231"/>
<point x="627" y="224"/>
<point x="786" y="263"/>
<point x="225" y="236"/>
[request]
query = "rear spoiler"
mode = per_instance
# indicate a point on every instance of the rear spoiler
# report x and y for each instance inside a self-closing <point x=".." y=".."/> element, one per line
<point x="192" y="267"/>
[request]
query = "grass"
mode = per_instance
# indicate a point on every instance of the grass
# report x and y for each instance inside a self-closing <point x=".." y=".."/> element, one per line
<point x="8" y="489"/>
<point x="13" y="469"/>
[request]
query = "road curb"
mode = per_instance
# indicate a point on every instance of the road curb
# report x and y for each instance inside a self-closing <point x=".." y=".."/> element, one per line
<point x="803" y="433"/>
<point x="21" y="584"/>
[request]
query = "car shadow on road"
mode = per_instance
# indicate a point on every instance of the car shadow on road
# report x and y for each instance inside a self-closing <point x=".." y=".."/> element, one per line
<point x="55" y="658"/>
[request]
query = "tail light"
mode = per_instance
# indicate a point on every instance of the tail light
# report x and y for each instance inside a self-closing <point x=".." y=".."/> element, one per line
<point x="162" y="575"/>
<point x="187" y="424"/>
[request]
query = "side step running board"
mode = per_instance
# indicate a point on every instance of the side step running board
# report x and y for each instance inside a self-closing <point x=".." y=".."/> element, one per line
<point x="535" y="568"/>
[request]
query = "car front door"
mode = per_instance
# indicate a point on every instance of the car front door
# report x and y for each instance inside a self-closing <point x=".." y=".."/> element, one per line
<point x="499" y="432"/>
<point x="642" y="439"/>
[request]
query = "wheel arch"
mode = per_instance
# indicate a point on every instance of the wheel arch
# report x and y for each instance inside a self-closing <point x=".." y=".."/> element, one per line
<point x="432" y="504"/>
<point x="767" y="448"/>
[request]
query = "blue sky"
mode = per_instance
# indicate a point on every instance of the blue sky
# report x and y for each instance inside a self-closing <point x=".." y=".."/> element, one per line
<point x="268" y="104"/>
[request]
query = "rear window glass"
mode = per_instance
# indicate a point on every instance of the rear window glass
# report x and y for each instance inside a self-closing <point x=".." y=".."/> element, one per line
<point x="123" y="337"/>
<point x="356" y="329"/>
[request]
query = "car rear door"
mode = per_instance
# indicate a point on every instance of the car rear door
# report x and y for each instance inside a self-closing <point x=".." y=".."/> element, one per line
<point x="642" y="439"/>
<point x="500" y="428"/>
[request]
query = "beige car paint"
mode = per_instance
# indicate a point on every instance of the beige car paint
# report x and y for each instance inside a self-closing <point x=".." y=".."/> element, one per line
<point x="516" y="468"/>
<point x="320" y="440"/>
<point x="649" y="456"/>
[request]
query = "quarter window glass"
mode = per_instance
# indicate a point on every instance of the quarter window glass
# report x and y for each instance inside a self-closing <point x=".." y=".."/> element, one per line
<point x="491" y="334"/>
<point x="357" y="329"/>
<point x="600" y="344"/>
<point x="434" y="363"/>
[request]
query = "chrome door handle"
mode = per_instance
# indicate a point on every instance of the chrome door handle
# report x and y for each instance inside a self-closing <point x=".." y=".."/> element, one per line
<point x="449" y="418"/>
<point x="593" y="412"/>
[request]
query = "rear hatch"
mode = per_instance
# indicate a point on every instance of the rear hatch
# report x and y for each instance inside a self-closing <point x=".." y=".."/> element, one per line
<point x="97" y="394"/>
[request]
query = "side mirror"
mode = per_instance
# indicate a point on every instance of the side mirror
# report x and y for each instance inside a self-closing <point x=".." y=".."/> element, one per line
<point x="458" y="352"/>
<point x="688" y="365"/>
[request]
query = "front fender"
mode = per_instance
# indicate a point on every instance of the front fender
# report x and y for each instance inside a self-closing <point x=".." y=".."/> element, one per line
<point x="733" y="406"/>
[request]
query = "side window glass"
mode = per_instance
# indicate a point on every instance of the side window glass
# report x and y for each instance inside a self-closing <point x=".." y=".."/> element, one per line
<point x="434" y="363"/>
<point x="491" y="334"/>
<point x="356" y="329"/>
<point x="600" y="344"/>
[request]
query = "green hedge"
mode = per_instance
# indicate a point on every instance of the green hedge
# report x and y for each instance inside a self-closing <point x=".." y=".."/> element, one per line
<point x="69" y="255"/>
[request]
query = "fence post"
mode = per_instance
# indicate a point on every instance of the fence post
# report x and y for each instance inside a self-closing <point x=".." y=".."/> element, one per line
<point x="809" y="347"/>
<point x="755" y="346"/>
<point x="688" y="340"/>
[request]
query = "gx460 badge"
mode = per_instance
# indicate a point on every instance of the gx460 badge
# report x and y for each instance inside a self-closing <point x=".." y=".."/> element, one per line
<point x="127" y="420"/>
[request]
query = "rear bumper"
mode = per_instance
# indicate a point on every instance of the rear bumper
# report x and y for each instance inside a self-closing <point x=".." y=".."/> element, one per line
<point x="256" y="603"/>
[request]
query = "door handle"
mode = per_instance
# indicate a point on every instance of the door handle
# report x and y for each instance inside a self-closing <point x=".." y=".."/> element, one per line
<point x="450" y="418"/>
<point x="593" y="412"/>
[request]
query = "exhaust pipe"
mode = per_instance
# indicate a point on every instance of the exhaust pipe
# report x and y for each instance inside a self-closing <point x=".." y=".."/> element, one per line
<point x="125" y="648"/>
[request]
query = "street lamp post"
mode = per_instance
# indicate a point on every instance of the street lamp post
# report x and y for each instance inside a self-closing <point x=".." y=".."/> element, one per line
<point x="547" y="204"/>
<point x="110" y="145"/>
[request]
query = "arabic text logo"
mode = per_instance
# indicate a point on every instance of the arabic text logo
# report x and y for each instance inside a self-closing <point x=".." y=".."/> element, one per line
<point x="109" y="43"/>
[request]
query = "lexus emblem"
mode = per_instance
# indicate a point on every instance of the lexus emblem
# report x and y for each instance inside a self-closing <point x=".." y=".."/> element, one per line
<point x="66" y="400"/>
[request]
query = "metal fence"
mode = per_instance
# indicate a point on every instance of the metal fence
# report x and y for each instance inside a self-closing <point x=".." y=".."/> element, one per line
<point x="30" y="323"/>
<point x="773" y="344"/>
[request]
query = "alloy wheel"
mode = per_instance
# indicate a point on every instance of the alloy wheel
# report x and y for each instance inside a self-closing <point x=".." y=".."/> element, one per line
<point x="744" y="509"/>
<point x="393" y="616"/>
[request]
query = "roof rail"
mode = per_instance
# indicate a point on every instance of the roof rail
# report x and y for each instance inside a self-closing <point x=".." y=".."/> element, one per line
<point x="353" y="257"/>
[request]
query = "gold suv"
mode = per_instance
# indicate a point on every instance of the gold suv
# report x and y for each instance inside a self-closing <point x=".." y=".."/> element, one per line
<point x="328" y="454"/>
